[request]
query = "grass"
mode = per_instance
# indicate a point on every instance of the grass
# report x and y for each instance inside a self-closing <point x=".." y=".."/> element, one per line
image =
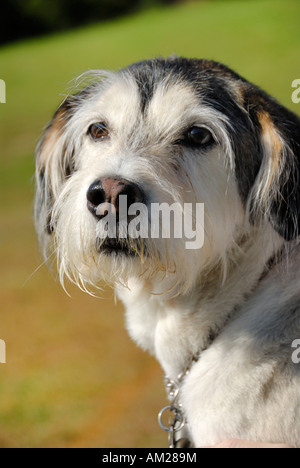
<point x="72" y="377"/>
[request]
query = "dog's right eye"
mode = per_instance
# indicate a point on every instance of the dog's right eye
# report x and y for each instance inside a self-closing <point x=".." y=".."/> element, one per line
<point x="98" y="131"/>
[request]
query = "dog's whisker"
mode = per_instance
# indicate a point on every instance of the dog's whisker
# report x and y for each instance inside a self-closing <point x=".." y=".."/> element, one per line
<point x="45" y="262"/>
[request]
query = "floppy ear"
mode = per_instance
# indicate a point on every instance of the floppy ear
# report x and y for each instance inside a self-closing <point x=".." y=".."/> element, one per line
<point x="54" y="164"/>
<point x="276" y="192"/>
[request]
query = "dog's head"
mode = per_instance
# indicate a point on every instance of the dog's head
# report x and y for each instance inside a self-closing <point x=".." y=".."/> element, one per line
<point x="174" y="131"/>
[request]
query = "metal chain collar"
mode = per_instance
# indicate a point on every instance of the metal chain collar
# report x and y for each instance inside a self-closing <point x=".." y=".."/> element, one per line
<point x="177" y="420"/>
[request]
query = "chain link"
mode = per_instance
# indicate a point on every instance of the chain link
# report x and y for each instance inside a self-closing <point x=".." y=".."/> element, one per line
<point x="178" y="420"/>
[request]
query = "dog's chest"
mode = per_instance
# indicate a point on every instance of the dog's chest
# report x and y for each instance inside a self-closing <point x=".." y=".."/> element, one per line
<point x="171" y="334"/>
<point x="243" y="382"/>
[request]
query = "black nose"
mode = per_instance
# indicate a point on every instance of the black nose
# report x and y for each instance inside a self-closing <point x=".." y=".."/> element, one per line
<point x="108" y="190"/>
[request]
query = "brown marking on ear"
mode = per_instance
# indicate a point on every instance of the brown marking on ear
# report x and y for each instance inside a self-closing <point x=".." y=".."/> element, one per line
<point x="270" y="134"/>
<point x="54" y="132"/>
<point x="273" y="148"/>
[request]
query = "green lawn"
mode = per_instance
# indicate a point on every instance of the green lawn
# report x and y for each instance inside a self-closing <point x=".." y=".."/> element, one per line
<point x="72" y="376"/>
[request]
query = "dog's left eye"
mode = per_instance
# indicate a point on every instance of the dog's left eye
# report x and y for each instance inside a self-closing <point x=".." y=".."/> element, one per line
<point x="98" y="131"/>
<point x="199" y="136"/>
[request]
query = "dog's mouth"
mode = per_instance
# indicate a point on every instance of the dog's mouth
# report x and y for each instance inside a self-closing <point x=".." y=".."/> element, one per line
<point x="117" y="247"/>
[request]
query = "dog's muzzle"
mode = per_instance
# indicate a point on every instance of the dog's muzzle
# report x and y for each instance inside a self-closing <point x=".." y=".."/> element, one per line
<point x="103" y="197"/>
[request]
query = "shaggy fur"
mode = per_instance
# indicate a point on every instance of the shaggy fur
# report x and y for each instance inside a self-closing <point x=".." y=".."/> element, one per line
<point x="238" y="298"/>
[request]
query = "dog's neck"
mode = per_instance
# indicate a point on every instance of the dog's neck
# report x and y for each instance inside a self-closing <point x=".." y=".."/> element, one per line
<point x="175" y="329"/>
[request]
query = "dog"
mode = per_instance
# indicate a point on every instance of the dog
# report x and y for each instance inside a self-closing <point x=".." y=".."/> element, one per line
<point x="220" y="319"/>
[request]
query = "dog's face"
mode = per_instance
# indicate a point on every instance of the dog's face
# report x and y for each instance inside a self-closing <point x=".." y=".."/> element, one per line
<point x="164" y="131"/>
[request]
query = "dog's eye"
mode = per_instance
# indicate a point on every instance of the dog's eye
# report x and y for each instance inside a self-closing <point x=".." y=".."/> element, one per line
<point x="98" y="131"/>
<point x="199" y="136"/>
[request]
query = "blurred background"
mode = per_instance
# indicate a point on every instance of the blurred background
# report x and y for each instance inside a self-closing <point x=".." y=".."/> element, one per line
<point x="73" y="378"/>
